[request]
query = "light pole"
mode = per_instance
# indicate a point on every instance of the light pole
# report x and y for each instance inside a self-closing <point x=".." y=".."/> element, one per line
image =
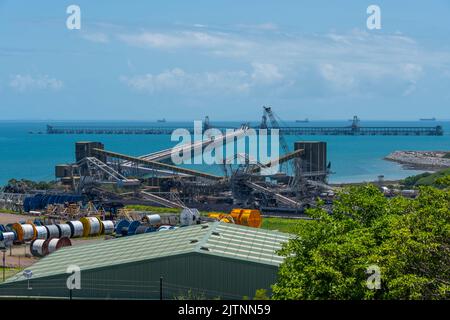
<point x="3" y="249"/>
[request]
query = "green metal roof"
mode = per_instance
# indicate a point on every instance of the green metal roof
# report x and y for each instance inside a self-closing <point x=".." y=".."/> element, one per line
<point x="217" y="238"/>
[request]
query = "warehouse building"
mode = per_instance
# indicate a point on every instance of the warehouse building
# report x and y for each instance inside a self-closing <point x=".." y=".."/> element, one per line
<point x="213" y="260"/>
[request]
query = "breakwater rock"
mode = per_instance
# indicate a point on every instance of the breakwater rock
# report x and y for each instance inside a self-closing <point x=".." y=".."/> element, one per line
<point x="421" y="160"/>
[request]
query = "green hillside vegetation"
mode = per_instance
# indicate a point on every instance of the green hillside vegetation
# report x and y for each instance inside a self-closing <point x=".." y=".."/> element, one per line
<point x="426" y="179"/>
<point x="371" y="247"/>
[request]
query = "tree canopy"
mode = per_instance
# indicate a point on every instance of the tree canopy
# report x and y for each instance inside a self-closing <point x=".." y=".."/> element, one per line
<point x="407" y="239"/>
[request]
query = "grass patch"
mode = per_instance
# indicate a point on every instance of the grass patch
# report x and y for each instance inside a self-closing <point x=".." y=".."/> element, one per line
<point x="283" y="224"/>
<point x="9" y="272"/>
<point x="153" y="209"/>
<point x="280" y="224"/>
<point x="9" y="211"/>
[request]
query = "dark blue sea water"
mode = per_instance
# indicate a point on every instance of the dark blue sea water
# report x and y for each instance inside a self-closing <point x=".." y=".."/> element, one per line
<point x="353" y="158"/>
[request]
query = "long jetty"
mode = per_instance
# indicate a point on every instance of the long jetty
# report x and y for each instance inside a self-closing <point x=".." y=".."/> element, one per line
<point x="333" y="131"/>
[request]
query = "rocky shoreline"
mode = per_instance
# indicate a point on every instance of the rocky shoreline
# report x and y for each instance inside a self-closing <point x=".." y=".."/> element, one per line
<point x="421" y="160"/>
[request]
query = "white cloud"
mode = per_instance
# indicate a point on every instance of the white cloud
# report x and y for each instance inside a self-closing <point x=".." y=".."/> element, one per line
<point x="217" y="43"/>
<point x="268" y="26"/>
<point x="27" y="82"/>
<point x="178" y="81"/>
<point x="97" y="37"/>
<point x="265" y="73"/>
<point x="352" y="63"/>
<point x="360" y="78"/>
<point x="221" y="82"/>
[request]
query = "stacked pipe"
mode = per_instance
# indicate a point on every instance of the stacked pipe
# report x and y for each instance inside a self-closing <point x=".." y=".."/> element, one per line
<point x="64" y="230"/>
<point x="7" y="236"/>
<point x="153" y="220"/>
<point x="24" y="232"/>
<point x="150" y="223"/>
<point x="76" y="229"/>
<point x="92" y="226"/>
<point x="108" y="227"/>
<point x="41" y="247"/>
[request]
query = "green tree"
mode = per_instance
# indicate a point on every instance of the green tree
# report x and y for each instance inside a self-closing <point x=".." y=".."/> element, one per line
<point x="444" y="181"/>
<point x="407" y="239"/>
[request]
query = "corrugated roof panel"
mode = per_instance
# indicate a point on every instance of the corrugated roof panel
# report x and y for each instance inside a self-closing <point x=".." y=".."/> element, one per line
<point x="257" y="245"/>
<point x="226" y="240"/>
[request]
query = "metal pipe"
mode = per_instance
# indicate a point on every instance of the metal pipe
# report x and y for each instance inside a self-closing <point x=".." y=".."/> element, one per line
<point x="4" y="266"/>
<point x="159" y="165"/>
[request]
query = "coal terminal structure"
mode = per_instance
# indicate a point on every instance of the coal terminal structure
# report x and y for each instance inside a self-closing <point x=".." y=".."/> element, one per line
<point x="353" y="130"/>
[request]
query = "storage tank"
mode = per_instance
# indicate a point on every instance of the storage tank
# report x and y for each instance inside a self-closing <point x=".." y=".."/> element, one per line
<point x="8" y="236"/>
<point x="37" y="247"/>
<point x="41" y="232"/>
<point x="153" y="219"/>
<point x="24" y="232"/>
<point x="56" y="243"/>
<point x="76" y="229"/>
<point x="52" y="231"/>
<point x="64" y="230"/>
<point x="108" y="227"/>
<point x="92" y="226"/>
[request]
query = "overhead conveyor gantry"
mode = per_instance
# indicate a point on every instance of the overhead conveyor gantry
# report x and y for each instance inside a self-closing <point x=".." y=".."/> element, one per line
<point x="158" y="165"/>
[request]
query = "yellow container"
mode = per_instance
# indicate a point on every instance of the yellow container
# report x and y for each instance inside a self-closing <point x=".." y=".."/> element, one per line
<point x="92" y="226"/>
<point x="247" y="217"/>
<point x="223" y="217"/>
<point x="25" y="232"/>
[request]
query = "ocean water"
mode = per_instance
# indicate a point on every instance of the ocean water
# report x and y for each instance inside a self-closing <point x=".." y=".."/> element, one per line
<point x="353" y="158"/>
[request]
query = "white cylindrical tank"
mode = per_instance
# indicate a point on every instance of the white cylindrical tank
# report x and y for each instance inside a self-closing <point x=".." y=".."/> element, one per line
<point x="52" y="245"/>
<point x="153" y="219"/>
<point x="37" y="247"/>
<point x="24" y="232"/>
<point x="76" y="228"/>
<point x="108" y="227"/>
<point x="91" y="225"/>
<point x="42" y="232"/>
<point x="53" y="231"/>
<point x="8" y="237"/>
<point x="64" y="230"/>
<point x="55" y="243"/>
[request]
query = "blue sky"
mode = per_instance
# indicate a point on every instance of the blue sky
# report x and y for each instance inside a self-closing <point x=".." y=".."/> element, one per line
<point x="182" y="60"/>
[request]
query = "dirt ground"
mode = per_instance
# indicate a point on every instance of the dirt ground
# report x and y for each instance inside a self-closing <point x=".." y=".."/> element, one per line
<point x="19" y="256"/>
